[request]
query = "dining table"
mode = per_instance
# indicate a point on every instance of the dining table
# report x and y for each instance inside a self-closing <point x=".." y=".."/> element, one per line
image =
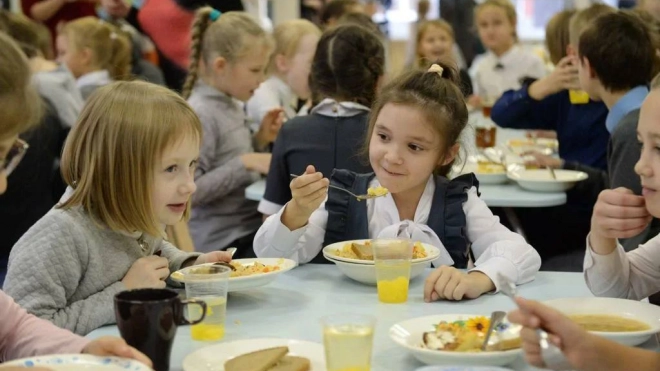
<point x="291" y="308"/>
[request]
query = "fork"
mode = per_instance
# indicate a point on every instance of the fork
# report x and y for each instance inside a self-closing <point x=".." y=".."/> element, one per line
<point x="359" y="197"/>
<point x="552" y="356"/>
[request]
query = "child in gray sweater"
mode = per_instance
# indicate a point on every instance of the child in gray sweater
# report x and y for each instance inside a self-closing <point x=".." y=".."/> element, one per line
<point x="129" y="164"/>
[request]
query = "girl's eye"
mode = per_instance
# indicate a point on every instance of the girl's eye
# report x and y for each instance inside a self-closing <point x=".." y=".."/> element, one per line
<point x="382" y="136"/>
<point x="415" y="147"/>
<point x="193" y="163"/>
<point x="171" y="169"/>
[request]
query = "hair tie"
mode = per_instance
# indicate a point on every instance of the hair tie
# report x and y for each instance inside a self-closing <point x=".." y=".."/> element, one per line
<point x="214" y="15"/>
<point x="436" y="68"/>
<point x="113" y="36"/>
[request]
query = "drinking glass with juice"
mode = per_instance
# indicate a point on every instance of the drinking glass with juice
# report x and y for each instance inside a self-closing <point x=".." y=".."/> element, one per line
<point x="210" y="284"/>
<point x="392" y="258"/>
<point x="348" y="341"/>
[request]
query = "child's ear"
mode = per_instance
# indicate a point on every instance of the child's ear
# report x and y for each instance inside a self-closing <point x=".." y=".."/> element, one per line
<point x="570" y="50"/>
<point x="219" y="65"/>
<point x="587" y="66"/>
<point x="451" y="155"/>
<point x="282" y="63"/>
<point x="86" y="56"/>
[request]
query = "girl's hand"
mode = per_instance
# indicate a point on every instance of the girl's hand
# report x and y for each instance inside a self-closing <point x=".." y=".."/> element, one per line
<point x="213" y="257"/>
<point x="573" y="341"/>
<point x="308" y="192"/>
<point x="449" y="283"/>
<point x="116" y="347"/>
<point x="545" y="134"/>
<point x="270" y="126"/>
<point x="147" y="272"/>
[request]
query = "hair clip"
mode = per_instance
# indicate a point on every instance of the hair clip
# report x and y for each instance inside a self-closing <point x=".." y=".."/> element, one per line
<point x="214" y="15"/>
<point x="113" y="36"/>
<point x="436" y="68"/>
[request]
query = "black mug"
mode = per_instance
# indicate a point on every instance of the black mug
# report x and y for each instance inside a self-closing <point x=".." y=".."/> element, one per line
<point x="148" y="319"/>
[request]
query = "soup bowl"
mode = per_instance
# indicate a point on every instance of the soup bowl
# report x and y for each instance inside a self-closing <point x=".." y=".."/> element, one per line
<point x="628" y="309"/>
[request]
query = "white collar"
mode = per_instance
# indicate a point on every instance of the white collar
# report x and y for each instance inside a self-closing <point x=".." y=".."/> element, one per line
<point x="332" y="108"/>
<point x="508" y="57"/>
<point x="94" y="78"/>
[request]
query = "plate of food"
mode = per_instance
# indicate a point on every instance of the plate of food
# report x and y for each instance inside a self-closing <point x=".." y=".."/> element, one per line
<point x="258" y="354"/>
<point x="79" y="362"/>
<point x="246" y="274"/>
<point x="546" y="146"/>
<point x="541" y="180"/>
<point x="456" y="339"/>
<point x="487" y="172"/>
<point x="629" y="322"/>
<point x="366" y="273"/>
<point x="360" y="252"/>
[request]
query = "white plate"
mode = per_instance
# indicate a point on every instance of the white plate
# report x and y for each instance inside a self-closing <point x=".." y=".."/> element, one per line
<point x="484" y="178"/>
<point x="213" y="358"/>
<point x="408" y="334"/>
<point x="432" y="253"/>
<point x="544" y="145"/>
<point x="255" y="280"/>
<point x="540" y="180"/>
<point x="79" y="362"/>
<point x="640" y="311"/>
<point x="366" y="273"/>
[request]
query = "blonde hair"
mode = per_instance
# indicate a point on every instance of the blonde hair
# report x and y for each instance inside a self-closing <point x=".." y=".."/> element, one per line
<point x="20" y="104"/>
<point x="509" y="11"/>
<point x="110" y="47"/>
<point x="581" y="19"/>
<point x="557" y="35"/>
<point x="28" y="34"/>
<point x="288" y="36"/>
<point x="110" y="155"/>
<point x="226" y="37"/>
<point x="423" y="28"/>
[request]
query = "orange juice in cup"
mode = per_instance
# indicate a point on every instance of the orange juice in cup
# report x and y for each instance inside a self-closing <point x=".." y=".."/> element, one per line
<point x="392" y="258"/>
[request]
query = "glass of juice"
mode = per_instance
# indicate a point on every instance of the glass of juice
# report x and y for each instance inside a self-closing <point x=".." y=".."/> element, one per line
<point x="348" y="341"/>
<point x="578" y="96"/>
<point x="208" y="283"/>
<point x="392" y="258"/>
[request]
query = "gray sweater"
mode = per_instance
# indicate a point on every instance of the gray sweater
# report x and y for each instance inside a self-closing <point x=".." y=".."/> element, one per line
<point x="221" y="213"/>
<point x="59" y="87"/>
<point x="67" y="268"/>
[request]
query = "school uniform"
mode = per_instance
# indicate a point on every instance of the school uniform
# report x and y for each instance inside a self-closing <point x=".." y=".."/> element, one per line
<point x="89" y="82"/>
<point x="450" y="215"/>
<point x="331" y="137"/>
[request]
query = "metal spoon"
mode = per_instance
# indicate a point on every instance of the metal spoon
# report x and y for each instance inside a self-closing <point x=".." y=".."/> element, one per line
<point x="359" y="197"/>
<point x="495" y="319"/>
<point x="231" y="251"/>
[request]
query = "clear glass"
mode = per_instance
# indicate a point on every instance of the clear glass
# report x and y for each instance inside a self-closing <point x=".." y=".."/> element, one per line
<point x="208" y="283"/>
<point x="348" y="341"/>
<point x="392" y="258"/>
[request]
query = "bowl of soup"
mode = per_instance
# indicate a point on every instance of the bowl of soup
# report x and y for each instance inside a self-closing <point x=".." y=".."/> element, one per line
<point x="628" y="322"/>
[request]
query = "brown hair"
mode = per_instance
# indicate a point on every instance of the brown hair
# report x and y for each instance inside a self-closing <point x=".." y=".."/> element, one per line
<point x="654" y="26"/>
<point x="360" y="19"/>
<point x="110" y="47"/>
<point x="620" y="49"/>
<point x="509" y="11"/>
<point x="110" y="155"/>
<point x="288" y="36"/>
<point x="348" y="62"/>
<point x="423" y="28"/>
<point x="557" y="35"/>
<point x="582" y="18"/>
<point x="335" y="9"/>
<point x="437" y="95"/>
<point x="27" y="33"/>
<point x="226" y="37"/>
<point x="20" y="105"/>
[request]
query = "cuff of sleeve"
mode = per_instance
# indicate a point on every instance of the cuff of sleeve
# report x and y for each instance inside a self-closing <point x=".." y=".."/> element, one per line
<point x="79" y="345"/>
<point x="607" y="262"/>
<point x="268" y="207"/>
<point x="497" y="265"/>
<point x="178" y="262"/>
<point x="283" y="236"/>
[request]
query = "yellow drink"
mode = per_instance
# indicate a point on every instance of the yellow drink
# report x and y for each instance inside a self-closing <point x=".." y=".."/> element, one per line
<point x="348" y="347"/>
<point x="392" y="279"/>
<point x="578" y="96"/>
<point x="212" y="328"/>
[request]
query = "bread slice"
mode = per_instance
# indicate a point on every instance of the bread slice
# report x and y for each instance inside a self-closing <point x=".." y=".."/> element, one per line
<point x="363" y="252"/>
<point x="261" y="360"/>
<point x="291" y="363"/>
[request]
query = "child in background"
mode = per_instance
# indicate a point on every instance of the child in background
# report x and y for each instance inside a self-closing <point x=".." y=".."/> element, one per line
<point x="412" y="143"/>
<point x="347" y="69"/>
<point x="230" y="53"/>
<point x="435" y="41"/>
<point x="129" y="163"/>
<point x="505" y="63"/>
<point x="289" y="67"/>
<point x="96" y="52"/>
<point x="335" y="9"/>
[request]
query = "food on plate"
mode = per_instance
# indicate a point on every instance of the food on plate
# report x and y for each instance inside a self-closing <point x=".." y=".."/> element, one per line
<point x="243" y="270"/>
<point x="468" y="336"/>
<point x="365" y="251"/>
<point x="378" y="191"/>
<point x="485" y="167"/>
<point x="608" y="323"/>
<point x="271" y="359"/>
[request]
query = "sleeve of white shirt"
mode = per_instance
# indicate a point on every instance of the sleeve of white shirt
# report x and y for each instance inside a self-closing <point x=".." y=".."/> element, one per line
<point x="275" y="240"/>
<point x="537" y="69"/>
<point x="633" y="275"/>
<point x="264" y="100"/>
<point x="496" y="249"/>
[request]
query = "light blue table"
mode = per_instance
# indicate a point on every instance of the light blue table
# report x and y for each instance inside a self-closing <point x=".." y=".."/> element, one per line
<point x="291" y="308"/>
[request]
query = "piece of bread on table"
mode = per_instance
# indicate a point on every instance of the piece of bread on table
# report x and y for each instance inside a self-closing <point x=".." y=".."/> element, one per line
<point x="261" y="360"/>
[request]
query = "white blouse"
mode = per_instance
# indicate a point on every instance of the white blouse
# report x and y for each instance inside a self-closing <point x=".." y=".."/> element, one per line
<point x="272" y="93"/>
<point x="497" y="249"/>
<point x="632" y="275"/>
<point x="94" y="78"/>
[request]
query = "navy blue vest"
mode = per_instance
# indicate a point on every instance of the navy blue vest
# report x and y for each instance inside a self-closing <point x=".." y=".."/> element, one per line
<point x="347" y="217"/>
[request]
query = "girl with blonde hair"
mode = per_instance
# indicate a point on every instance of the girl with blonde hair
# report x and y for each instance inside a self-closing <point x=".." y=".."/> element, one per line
<point x="230" y="53"/>
<point x="96" y="52"/>
<point x="129" y="163"/>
